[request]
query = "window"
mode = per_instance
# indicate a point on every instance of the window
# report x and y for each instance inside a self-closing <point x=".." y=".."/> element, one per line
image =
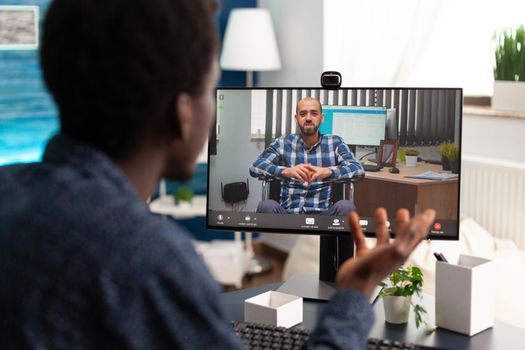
<point x="432" y="43"/>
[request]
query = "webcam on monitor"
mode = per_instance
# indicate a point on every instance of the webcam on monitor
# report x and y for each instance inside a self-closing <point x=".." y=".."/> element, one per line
<point x="331" y="80"/>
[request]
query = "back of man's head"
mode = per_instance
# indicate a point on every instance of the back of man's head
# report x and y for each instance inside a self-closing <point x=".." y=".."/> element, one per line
<point x="112" y="66"/>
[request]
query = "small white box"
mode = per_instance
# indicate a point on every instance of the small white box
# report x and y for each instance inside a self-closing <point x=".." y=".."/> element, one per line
<point x="465" y="295"/>
<point x="279" y="309"/>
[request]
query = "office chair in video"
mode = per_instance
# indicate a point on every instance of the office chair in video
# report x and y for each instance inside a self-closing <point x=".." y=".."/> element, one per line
<point x="341" y="189"/>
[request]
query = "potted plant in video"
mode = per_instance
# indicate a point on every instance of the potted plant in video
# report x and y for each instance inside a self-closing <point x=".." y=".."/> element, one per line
<point x="450" y="155"/>
<point x="509" y="71"/>
<point x="411" y="156"/>
<point x="183" y="195"/>
<point x="444" y="150"/>
<point x="397" y="295"/>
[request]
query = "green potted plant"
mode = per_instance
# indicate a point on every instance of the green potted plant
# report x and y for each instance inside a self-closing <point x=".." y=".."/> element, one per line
<point x="411" y="156"/>
<point x="451" y="154"/>
<point x="509" y="71"/>
<point x="444" y="150"/>
<point x="401" y="154"/>
<point x="183" y="194"/>
<point x="397" y="295"/>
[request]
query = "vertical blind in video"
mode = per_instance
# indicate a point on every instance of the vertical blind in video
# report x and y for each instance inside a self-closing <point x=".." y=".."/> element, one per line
<point x="424" y="116"/>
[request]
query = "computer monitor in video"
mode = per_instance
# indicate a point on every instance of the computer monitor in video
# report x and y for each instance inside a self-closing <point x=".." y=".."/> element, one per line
<point x="257" y="140"/>
<point x="364" y="126"/>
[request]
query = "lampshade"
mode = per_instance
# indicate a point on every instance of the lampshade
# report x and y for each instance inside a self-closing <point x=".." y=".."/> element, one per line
<point x="249" y="42"/>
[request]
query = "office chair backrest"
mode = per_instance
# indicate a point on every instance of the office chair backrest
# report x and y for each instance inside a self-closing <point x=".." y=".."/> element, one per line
<point x="338" y="191"/>
<point x="275" y="190"/>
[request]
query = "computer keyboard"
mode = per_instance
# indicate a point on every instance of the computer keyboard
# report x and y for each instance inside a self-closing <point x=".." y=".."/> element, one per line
<point x="259" y="336"/>
<point x="372" y="167"/>
<point x="264" y="336"/>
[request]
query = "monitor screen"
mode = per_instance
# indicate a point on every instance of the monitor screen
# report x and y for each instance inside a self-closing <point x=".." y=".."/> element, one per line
<point x="360" y="126"/>
<point x="279" y="159"/>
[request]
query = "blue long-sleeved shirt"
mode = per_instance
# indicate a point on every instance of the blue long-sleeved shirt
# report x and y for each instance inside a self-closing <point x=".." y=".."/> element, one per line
<point x="84" y="264"/>
<point x="287" y="151"/>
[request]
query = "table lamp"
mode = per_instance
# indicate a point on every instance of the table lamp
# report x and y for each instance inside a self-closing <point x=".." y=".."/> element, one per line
<point x="249" y="43"/>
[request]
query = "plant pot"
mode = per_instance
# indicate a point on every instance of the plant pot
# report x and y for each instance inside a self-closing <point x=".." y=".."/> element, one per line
<point x="508" y="95"/>
<point x="396" y="309"/>
<point x="410" y="160"/>
<point x="445" y="163"/>
<point x="454" y="166"/>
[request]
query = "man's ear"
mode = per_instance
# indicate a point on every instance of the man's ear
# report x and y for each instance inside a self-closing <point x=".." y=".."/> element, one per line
<point x="322" y="118"/>
<point x="184" y="120"/>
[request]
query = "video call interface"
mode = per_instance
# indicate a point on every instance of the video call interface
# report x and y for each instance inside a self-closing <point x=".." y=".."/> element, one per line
<point x="299" y="160"/>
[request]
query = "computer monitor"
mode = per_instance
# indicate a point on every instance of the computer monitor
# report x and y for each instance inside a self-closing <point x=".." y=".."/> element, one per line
<point x="359" y="126"/>
<point x="249" y="120"/>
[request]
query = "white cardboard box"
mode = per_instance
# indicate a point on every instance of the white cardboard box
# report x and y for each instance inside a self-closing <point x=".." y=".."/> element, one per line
<point x="465" y="295"/>
<point x="279" y="309"/>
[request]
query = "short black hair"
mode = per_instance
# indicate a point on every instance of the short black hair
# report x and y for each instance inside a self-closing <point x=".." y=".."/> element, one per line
<point x="112" y="64"/>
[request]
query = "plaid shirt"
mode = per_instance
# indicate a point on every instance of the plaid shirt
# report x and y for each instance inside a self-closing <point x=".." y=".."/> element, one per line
<point x="287" y="151"/>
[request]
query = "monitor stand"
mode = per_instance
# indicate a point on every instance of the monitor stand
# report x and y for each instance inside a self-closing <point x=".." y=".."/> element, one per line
<point x="333" y="251"/>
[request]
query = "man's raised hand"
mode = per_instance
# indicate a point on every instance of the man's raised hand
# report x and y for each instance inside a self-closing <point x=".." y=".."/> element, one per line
<point x="371" y="266"/>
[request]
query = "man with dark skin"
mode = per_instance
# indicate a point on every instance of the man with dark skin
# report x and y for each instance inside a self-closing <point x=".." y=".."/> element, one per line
<point x="84" y="264"/>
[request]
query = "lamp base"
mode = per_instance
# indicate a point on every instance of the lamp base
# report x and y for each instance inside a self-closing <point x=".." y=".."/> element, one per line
<point x="249" y="78"/>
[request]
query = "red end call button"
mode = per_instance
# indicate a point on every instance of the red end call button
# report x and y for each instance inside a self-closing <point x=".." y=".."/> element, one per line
<point x="437" y="226"/>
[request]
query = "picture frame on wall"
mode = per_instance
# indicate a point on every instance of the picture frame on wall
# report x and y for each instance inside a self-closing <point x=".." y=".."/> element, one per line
<point x="19" y="27"/>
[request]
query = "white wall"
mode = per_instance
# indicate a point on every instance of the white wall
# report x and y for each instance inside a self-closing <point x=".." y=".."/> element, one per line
<point x="299" y="30"/>
<point x="494" y="137"/>
<point x="235" y="151"/>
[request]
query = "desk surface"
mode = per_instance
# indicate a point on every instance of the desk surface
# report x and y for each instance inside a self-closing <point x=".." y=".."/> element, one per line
<point x="501" y="336"/>
<point x="394" y="191"/>
<point x="404" y="171"/>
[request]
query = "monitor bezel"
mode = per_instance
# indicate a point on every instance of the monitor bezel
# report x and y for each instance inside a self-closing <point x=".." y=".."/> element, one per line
<point x="325" y="232"/>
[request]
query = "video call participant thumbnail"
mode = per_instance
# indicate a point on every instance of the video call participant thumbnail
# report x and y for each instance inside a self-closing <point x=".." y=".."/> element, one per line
<point x="306" y="164"/>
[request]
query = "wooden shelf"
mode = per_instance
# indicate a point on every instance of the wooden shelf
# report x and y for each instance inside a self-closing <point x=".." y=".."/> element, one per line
<point x="489" y="112"/>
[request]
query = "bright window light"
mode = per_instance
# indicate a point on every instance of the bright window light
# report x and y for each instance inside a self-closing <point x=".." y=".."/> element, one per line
<point x="440" y="43"/>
